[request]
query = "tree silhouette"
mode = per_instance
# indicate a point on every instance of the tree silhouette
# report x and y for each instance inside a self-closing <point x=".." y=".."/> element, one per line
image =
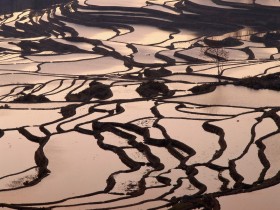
<point x="217" y="54"/>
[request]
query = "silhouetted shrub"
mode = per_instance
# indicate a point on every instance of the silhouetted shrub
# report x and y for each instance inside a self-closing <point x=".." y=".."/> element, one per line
<point x="157" y="73"/>
<point x="29" y="98"/>
<point x="227" y="42"/>
<point x="95" y="90"/>
<point x="271" y="82"/>
<point x="69" y="111"/>
<point x="204" y="88"/>
<point x="6" y="106"/>
<point x="152" y="89"/>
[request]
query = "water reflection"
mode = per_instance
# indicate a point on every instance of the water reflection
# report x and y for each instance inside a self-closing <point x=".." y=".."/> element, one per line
<point x="10" y="6"/>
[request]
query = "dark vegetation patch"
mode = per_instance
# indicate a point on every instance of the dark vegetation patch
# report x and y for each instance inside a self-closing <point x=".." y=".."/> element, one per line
<point x="30" y="47"/>
<point x="6" y="106"/>
<point x="189" y="69"/>
<point x="69" y="111"/>
<point x="270" y="39"/>
<point x="162" y="72"/>
<point x="207" y="202"/>
<point x="204" y="88"/>
<point x="227" y="42"/>
<point x="95" y="90"/>
<point x="153" y="88"/>
<point x="29" y="98"/>
<point x="28" y="87"/>
<point x="269" y="82"/>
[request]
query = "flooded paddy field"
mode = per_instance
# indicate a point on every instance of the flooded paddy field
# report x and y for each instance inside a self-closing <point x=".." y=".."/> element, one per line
<point x="144" y="104"/>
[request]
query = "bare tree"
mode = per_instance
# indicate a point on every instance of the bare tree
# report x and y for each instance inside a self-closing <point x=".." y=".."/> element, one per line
<point x="217" y="54"/>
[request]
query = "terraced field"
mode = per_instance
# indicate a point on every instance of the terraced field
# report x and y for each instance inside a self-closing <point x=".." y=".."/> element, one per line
<point x="140" y="104"/>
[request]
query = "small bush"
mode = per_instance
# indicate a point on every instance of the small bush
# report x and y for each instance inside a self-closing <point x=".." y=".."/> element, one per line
<point x="68" y="111"/>
<point x="29" y="98"/>
<point x="270" y="82"/>
<point x="152" y="89"/>
<point x="204" y="88"/>
<point x="95" y="90"/>
<point x="157" y="73"/>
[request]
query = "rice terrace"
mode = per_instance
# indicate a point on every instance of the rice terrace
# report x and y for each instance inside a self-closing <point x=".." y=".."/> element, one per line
<point x="140" y="104"/>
